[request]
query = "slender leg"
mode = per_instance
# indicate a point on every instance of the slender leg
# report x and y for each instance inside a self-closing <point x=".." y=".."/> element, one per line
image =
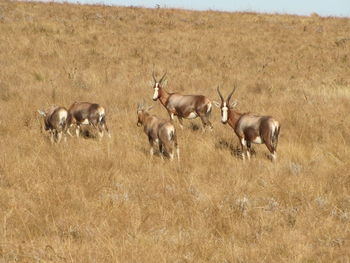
<point x="69" y="133"/>
<point x="100" y="131"/>
<point x="178" y="153"/>
<point x="52" y="135"/>
<point x="104" y="125"/>
<point x="77" y="130"/>
<point x="248" y="149"/>
<point x="161" y="150"/>
<point x="274" y="156"/>
<point x="180" y="122"/>
<point x="272" y="151"/>
<point x="205" y="122"/>
<point x="59" y="136"/>
<point x="151" y="143"/>
<point x="243" y="146"/>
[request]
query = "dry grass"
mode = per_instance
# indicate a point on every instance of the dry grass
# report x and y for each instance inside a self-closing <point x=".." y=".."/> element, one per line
<point x="91" y="201"/>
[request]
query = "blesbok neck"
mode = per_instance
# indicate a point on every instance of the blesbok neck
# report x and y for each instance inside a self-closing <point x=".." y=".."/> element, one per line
<point x="233" y="117"/>
<point x="163" y="96"/>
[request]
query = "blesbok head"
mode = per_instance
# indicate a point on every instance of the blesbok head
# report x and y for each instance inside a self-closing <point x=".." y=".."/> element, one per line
<point x="225" y="105"/>
<point x="157" y="85"/>
<point x="141" y="109"/>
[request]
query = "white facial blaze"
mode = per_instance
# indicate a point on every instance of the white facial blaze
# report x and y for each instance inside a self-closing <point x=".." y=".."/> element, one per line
<point x="224" y="113"/>
<point x="156" y="89"/>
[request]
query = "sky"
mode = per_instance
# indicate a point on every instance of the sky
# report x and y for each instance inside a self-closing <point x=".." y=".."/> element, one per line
<point x="298" y="7"/>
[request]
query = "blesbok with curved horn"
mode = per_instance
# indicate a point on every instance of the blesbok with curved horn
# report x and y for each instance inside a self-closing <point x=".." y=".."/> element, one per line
<point x="158" y="130"/>
<point x="55" y="121"/>
<point x="182" y="106"/>
<point x="89" y="114"/>
<point x="248" y="127"/>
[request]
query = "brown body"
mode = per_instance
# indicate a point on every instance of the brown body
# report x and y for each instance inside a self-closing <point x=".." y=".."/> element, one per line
<point x="183" y="106"/>
<point x="158" y="130"/>
<point x="87" y="113"/>
<point x="250" y="128"/>
<point x="55" y="121"/>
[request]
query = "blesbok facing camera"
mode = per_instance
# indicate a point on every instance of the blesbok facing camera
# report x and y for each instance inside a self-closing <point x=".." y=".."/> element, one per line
<point x="55" y="121"/>
<point x="182" y="106"/>
<point x="248" y="127"/>
<point x="158" y="130"/>
<point x="88" y="114"/>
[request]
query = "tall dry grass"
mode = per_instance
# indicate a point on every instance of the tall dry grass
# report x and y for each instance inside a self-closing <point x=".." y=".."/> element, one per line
<point x="108" y="201"/>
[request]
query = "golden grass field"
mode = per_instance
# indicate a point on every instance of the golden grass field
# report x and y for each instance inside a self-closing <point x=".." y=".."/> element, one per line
<point x="107" y="201"/>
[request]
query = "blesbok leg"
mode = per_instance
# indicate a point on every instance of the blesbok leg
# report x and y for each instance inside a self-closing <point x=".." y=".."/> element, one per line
<point x="58" y="136"/>
<point x="52" y="136"/>
<point x="269" y="144"/>
<point x="205" y="121"/>
<point x="180" y="122"/>
<point x="151" y="142"/>
<point x="77" y="130"/>
<point x="104" y="126"/>
<point x="248" y="149"/>
<point x="243" y="147"/>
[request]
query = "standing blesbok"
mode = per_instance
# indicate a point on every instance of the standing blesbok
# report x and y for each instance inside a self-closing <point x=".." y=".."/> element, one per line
<point x="55" y="121"/>
<point x="250" y="128"/>
<point x="183" y="106"/>
<point x="158" y="130"/>
<point x="87" y="113"/>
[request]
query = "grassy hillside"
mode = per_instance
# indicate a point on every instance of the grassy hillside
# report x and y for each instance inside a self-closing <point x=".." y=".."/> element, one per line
<point x="108" y="201"/>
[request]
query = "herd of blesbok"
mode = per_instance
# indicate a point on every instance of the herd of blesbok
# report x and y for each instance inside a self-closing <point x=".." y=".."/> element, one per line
<point x="248" y="127"/>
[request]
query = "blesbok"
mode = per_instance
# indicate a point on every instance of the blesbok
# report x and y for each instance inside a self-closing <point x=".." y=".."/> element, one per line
<point x="55" y="121"/>
<point x="183" y="106"/>
<point x="87" y="113"/>
<point x="158" y="130"/>
<point x="248" y="127"/>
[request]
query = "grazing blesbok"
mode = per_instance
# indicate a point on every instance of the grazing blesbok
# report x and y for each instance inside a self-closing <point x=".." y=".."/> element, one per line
<point x="87" y="113"/>
<point x="158" y="130"/>
<point x="55" y="121"/>
<point x="248" y="127"/>
<point x="183" y="106"/>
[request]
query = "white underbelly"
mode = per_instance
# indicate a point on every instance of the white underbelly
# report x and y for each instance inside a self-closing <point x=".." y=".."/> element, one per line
<point x="85" y="122"/>
<point x="257" y="140"/>
<point x="192" y="115"/>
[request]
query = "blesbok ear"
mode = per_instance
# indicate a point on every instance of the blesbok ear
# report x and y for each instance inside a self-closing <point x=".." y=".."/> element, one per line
<point x="42" y="113"/>
<point x="217" y="104"/>
<point x="233" y="104"/>
<point x="164" y="83"/>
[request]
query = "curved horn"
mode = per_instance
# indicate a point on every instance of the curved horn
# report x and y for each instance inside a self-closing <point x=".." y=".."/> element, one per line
<point x="154" y="78"/>
<point x="230" y="95"/>
<point x="221" y="97"/>
<point x="162" y="77"/>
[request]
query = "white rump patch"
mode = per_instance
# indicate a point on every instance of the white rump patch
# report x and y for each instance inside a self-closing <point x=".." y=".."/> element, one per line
<point x="85" y="122"/>
<point x="258" y="140"/>
<point x="192" y="115"/>
<point x="62" y="115"/>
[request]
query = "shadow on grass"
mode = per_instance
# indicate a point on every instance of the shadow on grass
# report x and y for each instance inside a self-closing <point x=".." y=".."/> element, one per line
<point x="234" y="149"/>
